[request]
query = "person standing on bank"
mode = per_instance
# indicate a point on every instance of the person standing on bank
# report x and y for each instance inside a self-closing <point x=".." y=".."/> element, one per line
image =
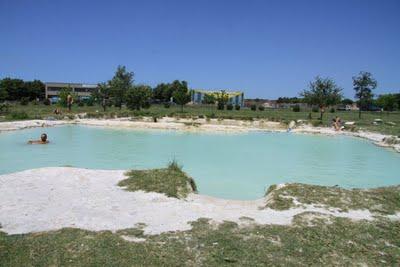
<point x="70" y="100"/>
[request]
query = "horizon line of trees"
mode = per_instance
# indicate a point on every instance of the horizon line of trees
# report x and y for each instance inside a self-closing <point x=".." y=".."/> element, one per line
<point x="17" y="89"/>
<point x="324" y="93"/>
<point x="121" y="89"/>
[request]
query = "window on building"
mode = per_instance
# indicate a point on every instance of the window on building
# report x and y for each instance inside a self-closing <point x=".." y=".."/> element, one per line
<point x="54" y="89"/>
<point x="83" y="90"/>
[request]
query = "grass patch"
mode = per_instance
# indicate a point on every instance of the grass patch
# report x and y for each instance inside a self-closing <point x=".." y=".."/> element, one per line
<point x="384" y="200"/>
<point x="18" y="115"/>
<point x="171" y="181"/>
<point x="341" y="242"/>
<point x="390" y="125"/>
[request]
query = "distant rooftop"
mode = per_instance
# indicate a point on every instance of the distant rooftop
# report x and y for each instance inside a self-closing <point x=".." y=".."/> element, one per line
<point x="89" y="85"/>
<point x="217" y="91"/>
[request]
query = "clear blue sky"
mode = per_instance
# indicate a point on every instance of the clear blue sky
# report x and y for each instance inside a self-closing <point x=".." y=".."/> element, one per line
<point x="266" y="48"/>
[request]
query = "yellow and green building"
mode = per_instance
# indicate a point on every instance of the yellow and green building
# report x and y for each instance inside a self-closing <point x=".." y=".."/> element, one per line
<point x="234" y="97"/>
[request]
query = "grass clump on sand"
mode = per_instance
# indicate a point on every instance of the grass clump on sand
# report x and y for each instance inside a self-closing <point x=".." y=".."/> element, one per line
<point x="384" y="200"/>
<point x="171" y="181"/>
<point x="309" y="241"/>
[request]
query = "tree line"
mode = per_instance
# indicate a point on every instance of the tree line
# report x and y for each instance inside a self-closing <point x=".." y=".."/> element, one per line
<point x="323" y="92"/>
<point x="121" y="90"/>
<point x="17" y="90"/>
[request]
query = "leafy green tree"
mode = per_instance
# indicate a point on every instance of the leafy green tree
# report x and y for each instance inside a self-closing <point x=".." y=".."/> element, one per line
<point x="388" y="102"/>
<point x="169" y="91"/>
<point x="181" y="94"/>
<point x="209" y="99"/>
<point x="34" y="89"/>
<point x="102" y="94"/>
<point x="290" y="100"/>
<point x="3" y="93"/>
<point x="347" y="101"/>
<point x="138" y="97"/>
<point x="322" y="92"/>
<point x="163" y="92"/>
<point x="222" y="99"/>
<point x="15" y="88"/>
<point x="64" y="94"/>
<point x="363" y="84"/>
<point x="119" y="85"/>
<point x="397" y="100"/>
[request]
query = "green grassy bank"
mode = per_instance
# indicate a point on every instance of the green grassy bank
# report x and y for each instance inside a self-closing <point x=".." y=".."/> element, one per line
<point x="384" y="200"/>
<point x="390" y="125"/>
<point x="309" y="241"/>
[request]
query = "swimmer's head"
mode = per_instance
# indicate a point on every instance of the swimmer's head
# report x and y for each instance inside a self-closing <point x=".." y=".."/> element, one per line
<point x="43" y="137"/>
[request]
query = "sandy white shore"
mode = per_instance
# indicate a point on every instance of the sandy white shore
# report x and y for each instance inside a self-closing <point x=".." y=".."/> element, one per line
<point x="201" y="125"/>
<point x="53" y="198"/>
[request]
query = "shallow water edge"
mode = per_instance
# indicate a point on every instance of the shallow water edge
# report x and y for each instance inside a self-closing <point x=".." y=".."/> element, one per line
<point x="203" y="125"/>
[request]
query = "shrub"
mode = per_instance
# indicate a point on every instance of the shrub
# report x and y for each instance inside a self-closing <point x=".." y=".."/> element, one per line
<point x="253" y="107"/>
<point x="80" y="104"/>
<point x="316" y="123"/>
<point x="220" y="106"/>
<point x="201" y="116"/>
<point x="229" y="107"/>
<point x="310" y="116"/>
<point x="296" y="108"/>
<point x="332" y="110"/>
<point x="4" y="107"/>
<point x="315" y="109"/>
<point x="46" y="102"/>
<point x="261" y="108"/>
<point x="90" y="101"/>
<point x="212" y="115"/>
<point x="146" y="105"/>
<point x="19" y="115"/>
<point x="167" y="105"/>
<point x="94" y="115"/>
<point x="237" y="107"/>
<point x="24" y="101"/>
<point x="138" y="97"/>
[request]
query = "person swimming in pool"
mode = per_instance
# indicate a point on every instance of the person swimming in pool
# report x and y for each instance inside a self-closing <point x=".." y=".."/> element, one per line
<point x="43" y="140"/>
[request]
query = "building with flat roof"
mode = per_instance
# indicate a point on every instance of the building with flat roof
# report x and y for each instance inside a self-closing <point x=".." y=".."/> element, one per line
<point x="53" y="89"/>
<point x="234" y="97"/>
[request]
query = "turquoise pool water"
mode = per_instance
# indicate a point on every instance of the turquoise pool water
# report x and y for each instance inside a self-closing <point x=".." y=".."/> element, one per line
<point x="235" y="166"/>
